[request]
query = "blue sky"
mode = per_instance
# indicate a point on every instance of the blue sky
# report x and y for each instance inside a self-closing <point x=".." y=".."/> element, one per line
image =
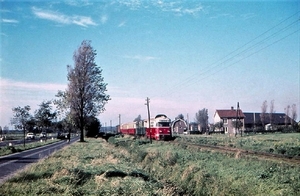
<point x="183" y="55"/>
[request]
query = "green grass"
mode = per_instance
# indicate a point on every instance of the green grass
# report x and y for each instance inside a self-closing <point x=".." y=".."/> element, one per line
<point x="20" y="147"/>
<point x="279" y="143"/>
<point x="127" y="167"/>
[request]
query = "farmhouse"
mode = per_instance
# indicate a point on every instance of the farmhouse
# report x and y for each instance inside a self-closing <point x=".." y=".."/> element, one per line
<point x="229" y="120"/>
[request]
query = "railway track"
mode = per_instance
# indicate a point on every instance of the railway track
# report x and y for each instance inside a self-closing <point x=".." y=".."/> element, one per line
<point x="242" y="152"/>
<point x="295" y="160"/>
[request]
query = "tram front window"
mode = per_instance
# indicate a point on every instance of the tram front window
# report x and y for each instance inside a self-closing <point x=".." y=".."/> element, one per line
<point x="163" y="124"/>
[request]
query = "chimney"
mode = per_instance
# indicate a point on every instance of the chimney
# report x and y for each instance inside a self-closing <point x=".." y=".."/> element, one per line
<point x="231" y="107"/>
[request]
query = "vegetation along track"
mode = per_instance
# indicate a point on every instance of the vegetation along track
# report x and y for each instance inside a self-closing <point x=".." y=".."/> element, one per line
<point x="242" y="152"/>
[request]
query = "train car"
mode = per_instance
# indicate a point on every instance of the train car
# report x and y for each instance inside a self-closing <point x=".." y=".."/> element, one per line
<point x="160" y="127"/>
<point x="133" y="128"/>
<point x="128" y="128"/>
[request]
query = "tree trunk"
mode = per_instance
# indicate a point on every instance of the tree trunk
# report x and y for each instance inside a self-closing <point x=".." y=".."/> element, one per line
<point x="81" y="130"/>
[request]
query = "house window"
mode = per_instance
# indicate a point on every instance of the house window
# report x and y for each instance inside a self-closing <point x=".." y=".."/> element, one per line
<point x="225" y="120"/>
<point x="226" y="129"/>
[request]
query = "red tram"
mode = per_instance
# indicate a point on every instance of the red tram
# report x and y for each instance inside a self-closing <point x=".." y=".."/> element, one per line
<point x="160" y="128"/>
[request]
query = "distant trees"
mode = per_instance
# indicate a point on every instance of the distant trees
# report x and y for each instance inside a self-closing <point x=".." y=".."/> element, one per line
<point x="290" y="115"/>
<point x="138" y="119"/>
<point x="85" y="95"/>
<point x="44" y="115"/>
<point x="201" y="118"/>
<point x="287" y="115"/>
<point x="294" y="114"/>
<point x="180" y="116"/>
<point x="263" y="113"/>
<point x="21" y="117"/>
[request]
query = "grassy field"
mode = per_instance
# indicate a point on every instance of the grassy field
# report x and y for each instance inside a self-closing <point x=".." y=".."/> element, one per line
<point x="136" y="167"/>
<point x="278" y="143"/>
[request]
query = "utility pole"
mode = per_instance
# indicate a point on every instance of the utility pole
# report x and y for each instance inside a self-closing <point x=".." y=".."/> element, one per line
<point x="110" y="125"/>
<point x="119" y="123"/>
<point x="237" y="119"/>
<point x="147" y="103"/>
<point x="188" y="123"/>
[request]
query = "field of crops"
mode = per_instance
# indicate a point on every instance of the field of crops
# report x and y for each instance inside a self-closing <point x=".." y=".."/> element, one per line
<point x="123" y="166"/>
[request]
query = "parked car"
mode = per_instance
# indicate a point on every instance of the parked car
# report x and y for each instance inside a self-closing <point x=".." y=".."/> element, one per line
<point x="61" y="136"/>
<point x="43" y="135"/>
<point x="30" y="136"/>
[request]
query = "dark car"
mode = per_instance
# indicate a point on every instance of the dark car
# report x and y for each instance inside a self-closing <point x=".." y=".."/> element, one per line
<point x="61" y="136"/>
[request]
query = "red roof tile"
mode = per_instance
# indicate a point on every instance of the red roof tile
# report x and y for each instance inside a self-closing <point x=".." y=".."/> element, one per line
<point x="230" y="113"/>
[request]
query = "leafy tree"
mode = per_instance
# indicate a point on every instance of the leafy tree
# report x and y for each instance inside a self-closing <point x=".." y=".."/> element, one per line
<point x="263" y="113"/>
<point x="219" y="125"/>
<point x="62" y="106"/>
<point x="63" y="112"/>
<point x="202" y="119"/>
<point x="85" y="95"/>
<point x="20" y="118"/>
<point x="138" y="119"/>
<point x="44" y="115"/>
<point x="31" y="124"/>
<point x="92" y="126"/>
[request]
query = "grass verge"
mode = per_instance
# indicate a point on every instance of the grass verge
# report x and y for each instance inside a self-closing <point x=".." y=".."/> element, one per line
<point x="6" y="150"/>
<point x="127" y="167"/>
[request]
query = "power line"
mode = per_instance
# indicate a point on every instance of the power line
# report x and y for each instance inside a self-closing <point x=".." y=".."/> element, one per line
<point x="228" y="57"/>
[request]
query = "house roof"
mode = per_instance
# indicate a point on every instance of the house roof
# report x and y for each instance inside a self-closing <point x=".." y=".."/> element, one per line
<point x="278" y="118"/>
<point x="232" y="113"/>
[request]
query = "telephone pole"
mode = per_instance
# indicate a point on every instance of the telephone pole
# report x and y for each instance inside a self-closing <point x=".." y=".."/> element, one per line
<point x="119" y="124"/>
<point x="147" y="103"/>
<point x="237" y="121"/>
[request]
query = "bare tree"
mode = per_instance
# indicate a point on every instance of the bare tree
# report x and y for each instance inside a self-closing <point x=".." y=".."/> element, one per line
<point x="20" y="118"/>
<point x="86" y="93"/>
<point x="263" y="113"/>
<point x="294" y="114"/>
<point x="272" y="111"/>
<point x="287" y="115"/>
<point x="202" y="119"/>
